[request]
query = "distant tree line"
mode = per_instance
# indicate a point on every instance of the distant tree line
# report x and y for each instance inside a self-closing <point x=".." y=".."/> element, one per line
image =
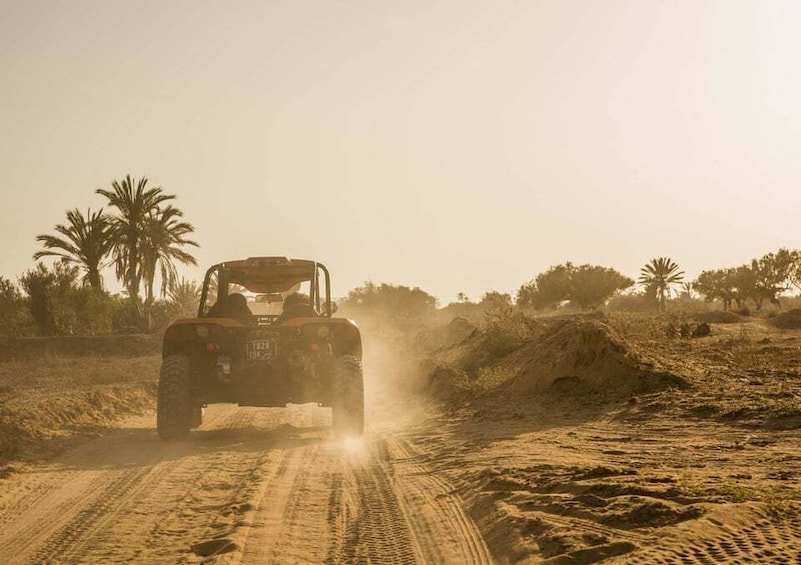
<point x="585" y="287"/>
<point x="144" y="236"/>
<point x="763" y="279"/>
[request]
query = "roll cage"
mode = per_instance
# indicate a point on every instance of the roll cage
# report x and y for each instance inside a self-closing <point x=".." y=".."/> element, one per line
<point x="268" y="275"/>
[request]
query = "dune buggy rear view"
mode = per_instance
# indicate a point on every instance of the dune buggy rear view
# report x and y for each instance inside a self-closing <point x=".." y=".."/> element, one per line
<point x="265" y="335"/>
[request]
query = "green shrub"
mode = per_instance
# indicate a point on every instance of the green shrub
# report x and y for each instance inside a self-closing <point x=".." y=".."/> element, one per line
<point x="15" y="317"/>
<point x="59" y="305"/>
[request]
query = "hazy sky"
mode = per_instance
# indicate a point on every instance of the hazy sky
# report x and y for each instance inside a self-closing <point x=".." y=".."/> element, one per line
<point x="457" y="146"/>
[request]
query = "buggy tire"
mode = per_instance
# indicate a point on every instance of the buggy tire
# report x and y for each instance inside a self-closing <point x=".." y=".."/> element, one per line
<point x="174" y="413"/>
<point x="347" y="401"/>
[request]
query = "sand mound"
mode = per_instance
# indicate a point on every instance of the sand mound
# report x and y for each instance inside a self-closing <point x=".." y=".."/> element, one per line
<point x="790" y="320"/>
<point x="718" y="317"/>
<point x="584" y="356"/>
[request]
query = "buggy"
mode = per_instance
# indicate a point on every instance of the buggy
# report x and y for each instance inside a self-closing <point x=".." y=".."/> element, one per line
<point x="265" y="335"/>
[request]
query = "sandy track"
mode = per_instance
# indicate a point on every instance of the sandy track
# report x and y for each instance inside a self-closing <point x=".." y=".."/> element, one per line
<point x="250" y="486"/>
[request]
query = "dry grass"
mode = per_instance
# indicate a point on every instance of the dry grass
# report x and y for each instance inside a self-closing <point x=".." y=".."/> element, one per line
<point x="56" y="374"/>
<point x="26" y="348"/>
<point x="49" y="401"/>
<point x="781" y="501"/>
<point x="490" y="378"/>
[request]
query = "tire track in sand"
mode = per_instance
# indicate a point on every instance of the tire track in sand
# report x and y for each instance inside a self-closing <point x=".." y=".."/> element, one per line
<point x="436" y="512"/>
<point x="365" y="517"/>
<point x="269" y="493"/>
<point x="325" y="504"/>
<point x="24" y="532"/>
<point x="287" y="523"/>
<point x="68" y="541"/>
<point x="340" y="503"/>
<point x="93" y="509"/>
<point x="137" y="515"/>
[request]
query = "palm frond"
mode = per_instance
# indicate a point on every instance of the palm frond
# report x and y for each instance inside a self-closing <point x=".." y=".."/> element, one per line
<point x="86" y="242"/>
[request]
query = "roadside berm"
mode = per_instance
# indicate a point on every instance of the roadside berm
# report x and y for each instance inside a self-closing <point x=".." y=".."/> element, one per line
<point x="572" y="356"/>
<point x="57" y="391"/>
<point x="585" y="356"/>
<point x="34" y="426"/>
<point x="789" y="320"/>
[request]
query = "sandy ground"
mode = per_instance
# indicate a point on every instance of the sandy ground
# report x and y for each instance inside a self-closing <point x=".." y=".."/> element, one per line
<point x="705" y="474"/>
<point x="709" y="473"/>
<point x="250" y="486"/>
<point x="562" y="487"/>
<point x="270" y="486"/>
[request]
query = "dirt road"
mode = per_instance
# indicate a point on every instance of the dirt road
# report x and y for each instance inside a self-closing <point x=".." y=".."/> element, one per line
<point x="251" y="486"/>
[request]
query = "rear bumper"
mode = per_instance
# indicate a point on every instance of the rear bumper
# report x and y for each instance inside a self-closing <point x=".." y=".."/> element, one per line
<point x="269" y="383"/>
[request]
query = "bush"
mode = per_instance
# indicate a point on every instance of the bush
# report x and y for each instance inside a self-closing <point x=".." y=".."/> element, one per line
<point x="389" y="306"/>
<point x="58" y="305"/>
<point x="641" y="327"/>
<point x="15" y="318"/>
<point x="506" y="331"/>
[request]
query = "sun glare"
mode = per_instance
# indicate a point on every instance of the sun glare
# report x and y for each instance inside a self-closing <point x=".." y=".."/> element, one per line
<point x="351" y="445"/>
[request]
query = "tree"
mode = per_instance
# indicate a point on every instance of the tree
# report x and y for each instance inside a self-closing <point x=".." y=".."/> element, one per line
<point x="762" y="279"/>
<point x="772" y="274"/>
<point x="85" y="243"/>
<point x="743" y="282"/>
<point x="659" y="276"/>
<point x="164" y="238"/>
<point x="145" y="237"/>
<point x="717" y="284"/>
<point x="400" y="306"/>
<point x="547" y="290"/>
<point x="795" y="268"/>
<point x="134" y="206"/>
<point x="586" y="286"/>
<point x="592" y="285"/>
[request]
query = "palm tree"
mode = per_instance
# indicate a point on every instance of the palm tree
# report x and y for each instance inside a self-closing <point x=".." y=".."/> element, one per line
<point x="183" y="297"/>
<point x="135" y="205"/>
<point x="85" y="243"/>
<point x="658" y="276"/>
<point x="164" y="236"/>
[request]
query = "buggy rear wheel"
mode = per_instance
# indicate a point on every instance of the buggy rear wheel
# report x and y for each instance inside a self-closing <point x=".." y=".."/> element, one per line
<point x="348" y="399"/>
<point x="174" y="413"/>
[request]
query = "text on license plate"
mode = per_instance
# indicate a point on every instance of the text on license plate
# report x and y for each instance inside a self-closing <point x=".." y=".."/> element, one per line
<point x="261" y="349"/>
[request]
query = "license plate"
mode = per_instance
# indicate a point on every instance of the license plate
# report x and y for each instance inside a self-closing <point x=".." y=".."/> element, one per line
<point x="261" y="349"/>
